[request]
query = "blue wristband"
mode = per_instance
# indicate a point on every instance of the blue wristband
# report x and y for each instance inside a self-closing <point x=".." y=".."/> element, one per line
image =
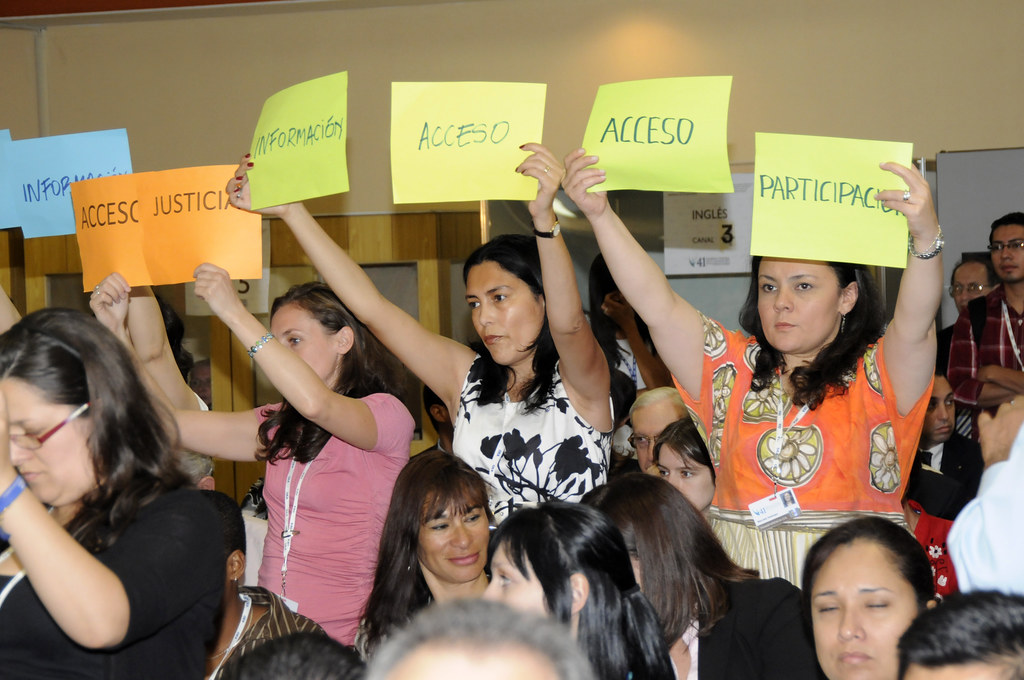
<point x="8" y="497"/>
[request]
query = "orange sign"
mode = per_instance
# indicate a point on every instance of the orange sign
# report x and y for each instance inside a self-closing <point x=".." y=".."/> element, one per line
<point x="155" y="228"/>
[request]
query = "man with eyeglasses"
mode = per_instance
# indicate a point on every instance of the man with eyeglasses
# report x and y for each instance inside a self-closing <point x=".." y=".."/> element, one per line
<point x="652" y="412"/>
<point x="987" y="369"/>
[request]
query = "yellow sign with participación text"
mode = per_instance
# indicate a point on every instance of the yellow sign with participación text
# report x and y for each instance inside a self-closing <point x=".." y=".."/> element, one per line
<point x="814" y="199"/>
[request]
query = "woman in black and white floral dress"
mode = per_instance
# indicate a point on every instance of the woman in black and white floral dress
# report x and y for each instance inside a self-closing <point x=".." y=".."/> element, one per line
<point x="531" y="399"/>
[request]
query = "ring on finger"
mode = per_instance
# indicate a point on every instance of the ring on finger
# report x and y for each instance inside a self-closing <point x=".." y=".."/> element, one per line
<point x="546" y="168"/>
<point x="906" y="196"/>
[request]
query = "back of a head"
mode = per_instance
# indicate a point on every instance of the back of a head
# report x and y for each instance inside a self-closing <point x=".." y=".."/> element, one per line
<point x="449" y="637"/>
<point x="231" y="522"/>
<point x="299" y="656"/>
<point x="682" y="565"/>
<point x="617" y="627"/>
<point x="985" y="628"/>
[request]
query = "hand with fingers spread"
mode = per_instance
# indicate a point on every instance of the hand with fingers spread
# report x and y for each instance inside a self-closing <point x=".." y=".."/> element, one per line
<point x="915" y="203"/>
<point x="239" y="192"/>
<point x="581" y="175"/>
<point x="214" y="285"/>
<point x="543" y="166"/>
<point x="109" y="304"/>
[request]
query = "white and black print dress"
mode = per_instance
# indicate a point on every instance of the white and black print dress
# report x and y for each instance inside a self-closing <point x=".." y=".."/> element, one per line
<point x="551" y="453"/>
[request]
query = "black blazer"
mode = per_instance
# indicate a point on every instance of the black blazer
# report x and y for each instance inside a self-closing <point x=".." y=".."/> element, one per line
<point x="946" y="494"/>
<point x="763" y="636"/>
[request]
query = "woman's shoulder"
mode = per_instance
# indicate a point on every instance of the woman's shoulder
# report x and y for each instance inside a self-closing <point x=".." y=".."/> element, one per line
<point x="763" y="594"/>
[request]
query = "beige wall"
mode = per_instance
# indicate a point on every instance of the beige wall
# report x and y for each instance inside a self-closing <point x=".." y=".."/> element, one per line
<point x="943" y="74"/>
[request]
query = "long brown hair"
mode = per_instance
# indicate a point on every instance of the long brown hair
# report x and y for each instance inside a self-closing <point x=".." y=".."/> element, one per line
<point x="368" y="368"/>
<point x="683" y="567"/>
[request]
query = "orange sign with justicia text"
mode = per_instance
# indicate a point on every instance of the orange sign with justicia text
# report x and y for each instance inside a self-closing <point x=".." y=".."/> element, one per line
<point x="155" y="228"/>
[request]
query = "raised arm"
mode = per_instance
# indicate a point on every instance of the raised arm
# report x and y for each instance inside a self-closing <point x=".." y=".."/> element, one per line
<point x="438" y="361"/>
<point x="143" y="331"/>
<point x="651" y="368"/>
<point x="910" y="338"/>
<point x="676" y="327"/>
<point x="346" y="418"/>
<point x="581" y="362"/>
<point x="223" y="435"/>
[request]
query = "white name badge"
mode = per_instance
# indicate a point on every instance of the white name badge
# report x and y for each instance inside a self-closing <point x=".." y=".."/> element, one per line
<point x="291" y="604"/>
<point x="775" y="509"/>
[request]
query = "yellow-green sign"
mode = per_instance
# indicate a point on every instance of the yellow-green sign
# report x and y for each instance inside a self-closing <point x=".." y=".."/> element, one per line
<point x="298" y="149"/>
<point x="814" y="199"/>
<point x="460" y="141"/>
<point x="666" y="134"/>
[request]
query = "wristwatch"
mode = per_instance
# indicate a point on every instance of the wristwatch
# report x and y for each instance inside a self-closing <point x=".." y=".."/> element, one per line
<point x="555" y="230"/>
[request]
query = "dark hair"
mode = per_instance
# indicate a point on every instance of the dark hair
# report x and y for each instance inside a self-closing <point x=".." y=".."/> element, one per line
<point x="175" y="328"/>
<point x="367" y="368"/>
<point x="984" y="260"/>
<point x="978" y="627"/>
<point x="72" y="359"/>
<point x="310" y="656"/>
<point x="517" y="254"/>
<point x="683" y="567"/>
<point x="623" y="391"/>
<point x="231" y="523"/>
<point x="430" y="399"/>
<point x="600" y="284"/>
<point x="618" y="629"/>
<point x="683" y="438"/>
<point x="906" y="554"/>
<point x="481" y="629"/>
<point x="831" y="369"/>
<point x="432" y="483"/>
<point x="1016" y="218"/>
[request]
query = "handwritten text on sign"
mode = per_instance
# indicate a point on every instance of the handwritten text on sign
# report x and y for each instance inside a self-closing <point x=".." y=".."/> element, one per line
<point x="460" y="141"/>
<point x="299" y="147"/>
<point x="814" y="199"/>
<point x="666" y="134"/>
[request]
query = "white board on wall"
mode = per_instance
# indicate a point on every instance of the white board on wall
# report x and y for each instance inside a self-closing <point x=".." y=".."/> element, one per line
<point x="974" y="188"/>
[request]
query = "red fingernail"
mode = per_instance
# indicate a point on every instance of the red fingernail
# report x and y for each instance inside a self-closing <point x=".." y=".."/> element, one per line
<point x="249" y="164"/>
<point x="521" y="146"/>
<point x="240" y="178"/>
<point x="246" y="156"/>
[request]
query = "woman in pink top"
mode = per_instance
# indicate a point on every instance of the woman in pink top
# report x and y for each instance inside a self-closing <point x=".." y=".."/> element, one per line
<point x="333" y="447"/>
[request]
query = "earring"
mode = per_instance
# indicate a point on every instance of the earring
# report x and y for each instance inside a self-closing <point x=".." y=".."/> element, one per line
<point x="842" y="322"/>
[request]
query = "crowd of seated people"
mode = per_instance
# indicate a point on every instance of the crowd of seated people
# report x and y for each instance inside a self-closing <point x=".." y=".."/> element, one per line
<point x="801" y="504"/>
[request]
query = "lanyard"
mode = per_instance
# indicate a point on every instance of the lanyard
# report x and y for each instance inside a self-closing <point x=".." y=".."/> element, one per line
<point x="14" y="579"/>
<point x="291" y="512"/>
<point x="780" y="433"/>
<point x="238" y="633"/>
<point x="1013" y="339"/>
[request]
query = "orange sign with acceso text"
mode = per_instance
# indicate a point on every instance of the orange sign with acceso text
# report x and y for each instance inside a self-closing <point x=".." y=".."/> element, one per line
<point x="155" y="228"/>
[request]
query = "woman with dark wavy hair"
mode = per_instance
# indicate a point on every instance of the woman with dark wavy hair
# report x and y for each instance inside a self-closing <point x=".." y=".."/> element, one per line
<point x="717" y="617"/>
<point x="530" y="400"/>
<point x="812" y="414"/>
<point x="569" y="562"/>
<point x="122" y="577"/>
<point x="434" y="544"/>
<point x="333" y="446"/>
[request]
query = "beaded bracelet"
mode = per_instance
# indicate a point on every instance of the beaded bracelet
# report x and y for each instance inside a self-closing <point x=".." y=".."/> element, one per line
<point x="8" y="497"/>
<point x="259" y="343"/>
<point x="934" y="250"/>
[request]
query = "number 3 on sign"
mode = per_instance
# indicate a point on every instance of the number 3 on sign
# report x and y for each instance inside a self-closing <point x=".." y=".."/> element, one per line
<point x="727" y="236"/>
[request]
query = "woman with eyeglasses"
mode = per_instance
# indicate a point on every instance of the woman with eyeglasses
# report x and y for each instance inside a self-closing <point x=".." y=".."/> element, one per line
<point x="114" y="568"/>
